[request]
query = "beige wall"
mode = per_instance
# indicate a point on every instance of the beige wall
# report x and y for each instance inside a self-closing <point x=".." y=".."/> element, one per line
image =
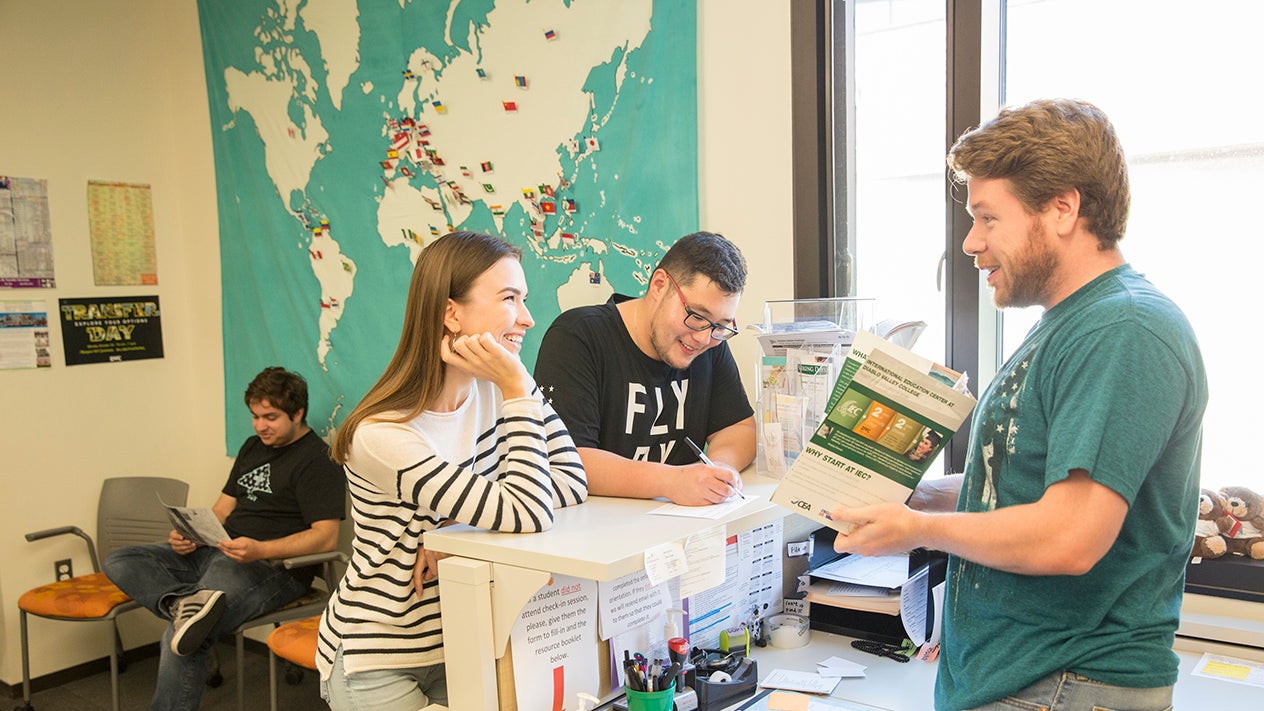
<point x="115" y="90"/>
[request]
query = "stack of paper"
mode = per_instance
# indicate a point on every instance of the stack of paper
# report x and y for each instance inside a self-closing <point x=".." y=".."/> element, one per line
<point x="860" y="582"/>
<point x="855" y="597"/>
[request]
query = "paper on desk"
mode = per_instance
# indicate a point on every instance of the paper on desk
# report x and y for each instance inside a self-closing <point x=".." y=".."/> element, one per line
<point x="857" y="590"/>
<point x="712" y="511"/>
<point x="810" y="682"/>
<point x="839" y="667"/>
<point x="888" y="571"/>
<point x="1239" y="671"/>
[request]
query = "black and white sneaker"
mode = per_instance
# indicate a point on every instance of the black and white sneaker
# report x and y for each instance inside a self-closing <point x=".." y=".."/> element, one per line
<point x="195" y="616"/>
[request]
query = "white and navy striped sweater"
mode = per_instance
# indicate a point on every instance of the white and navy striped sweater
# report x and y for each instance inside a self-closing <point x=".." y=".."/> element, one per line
<point x="497" y="464"/>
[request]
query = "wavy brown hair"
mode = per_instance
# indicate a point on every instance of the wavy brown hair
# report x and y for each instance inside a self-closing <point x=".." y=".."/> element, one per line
<point x="445" y="270"/>
<point x="1047" y="147"/>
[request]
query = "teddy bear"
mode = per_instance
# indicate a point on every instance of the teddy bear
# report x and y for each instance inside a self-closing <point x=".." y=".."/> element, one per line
<point x="1244" y="511"/>
<point x="1208" y="541"/>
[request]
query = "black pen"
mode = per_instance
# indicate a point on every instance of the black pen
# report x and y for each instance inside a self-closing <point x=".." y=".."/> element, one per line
<point x="707" y="461"/>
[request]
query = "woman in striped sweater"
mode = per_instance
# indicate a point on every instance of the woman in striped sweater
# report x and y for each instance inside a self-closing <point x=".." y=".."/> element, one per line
<point x="455" y="430"/>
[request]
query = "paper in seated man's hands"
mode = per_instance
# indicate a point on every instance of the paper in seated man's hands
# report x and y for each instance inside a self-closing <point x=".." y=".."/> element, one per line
<point x="242" y="549"/>
<point x="877" y="529"/>
<point x="180" y="544"/>
<point x="701" y="485"/>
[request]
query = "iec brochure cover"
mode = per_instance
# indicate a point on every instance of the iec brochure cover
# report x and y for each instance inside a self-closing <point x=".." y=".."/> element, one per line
<point x="889" y="414"/>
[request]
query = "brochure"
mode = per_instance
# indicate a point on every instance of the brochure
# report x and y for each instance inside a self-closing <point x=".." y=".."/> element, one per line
<point x="198" y="525"/>
<point x="889" y="414"/>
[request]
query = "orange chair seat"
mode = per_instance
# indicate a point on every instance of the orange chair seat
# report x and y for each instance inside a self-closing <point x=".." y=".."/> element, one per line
<point x="296" y="641"/>
<point x="81" y="597"/>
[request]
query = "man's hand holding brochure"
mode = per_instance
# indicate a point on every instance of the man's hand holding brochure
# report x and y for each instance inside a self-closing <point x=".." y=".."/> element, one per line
<point x="889" y="414"/>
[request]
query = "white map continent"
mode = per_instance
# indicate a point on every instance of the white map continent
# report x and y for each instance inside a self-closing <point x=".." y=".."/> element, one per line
<point x="336" y="24"/>
<point x="551" y="111"/>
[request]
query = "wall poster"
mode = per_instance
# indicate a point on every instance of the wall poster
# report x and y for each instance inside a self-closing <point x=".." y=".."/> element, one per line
<point x="111" y="329"/>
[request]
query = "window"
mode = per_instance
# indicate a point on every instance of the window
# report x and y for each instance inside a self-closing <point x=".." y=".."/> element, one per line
<point x="1176" y="78"/>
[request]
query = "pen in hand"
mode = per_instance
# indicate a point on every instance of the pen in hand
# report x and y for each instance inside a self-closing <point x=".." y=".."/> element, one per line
<point x="707" y="461"/>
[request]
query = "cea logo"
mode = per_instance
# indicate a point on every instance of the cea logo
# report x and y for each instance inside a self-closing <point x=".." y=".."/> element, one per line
<point x="801" y="504"/>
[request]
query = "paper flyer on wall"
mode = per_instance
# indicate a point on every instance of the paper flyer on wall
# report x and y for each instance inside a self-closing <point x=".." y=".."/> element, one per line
<point x="889" y="414"/>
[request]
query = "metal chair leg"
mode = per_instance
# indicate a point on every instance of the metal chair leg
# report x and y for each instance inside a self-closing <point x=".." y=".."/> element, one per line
<point x="272" y="680"/>
<point x="26" y="667"/>
<point x="114" y="672"/>
<point x="241" y="671"/>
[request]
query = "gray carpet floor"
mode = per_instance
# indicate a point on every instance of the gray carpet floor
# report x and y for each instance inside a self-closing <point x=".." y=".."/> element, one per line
<point x="136" y="687"/>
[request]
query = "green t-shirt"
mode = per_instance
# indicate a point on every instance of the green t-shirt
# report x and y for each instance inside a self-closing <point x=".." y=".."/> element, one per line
<point x="1110" y="381"/>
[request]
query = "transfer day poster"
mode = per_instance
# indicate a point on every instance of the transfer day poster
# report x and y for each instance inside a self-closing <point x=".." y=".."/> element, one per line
<point x="111" y="330"/>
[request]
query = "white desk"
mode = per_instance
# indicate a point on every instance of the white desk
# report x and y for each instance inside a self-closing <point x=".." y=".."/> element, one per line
<point x="897" y="686"/>
<point x="484" y="586"/>
<point x="492" y="575"/>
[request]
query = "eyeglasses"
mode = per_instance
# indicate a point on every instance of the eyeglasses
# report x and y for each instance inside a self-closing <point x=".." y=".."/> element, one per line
<point x="695" y="321"/>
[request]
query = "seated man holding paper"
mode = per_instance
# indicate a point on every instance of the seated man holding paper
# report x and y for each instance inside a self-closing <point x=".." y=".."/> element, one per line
<point x="636" y="381"/>
<point x="284" y="498"/>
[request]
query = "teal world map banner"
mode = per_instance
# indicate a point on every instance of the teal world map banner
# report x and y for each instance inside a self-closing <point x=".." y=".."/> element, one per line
<point x="348" y="135"/>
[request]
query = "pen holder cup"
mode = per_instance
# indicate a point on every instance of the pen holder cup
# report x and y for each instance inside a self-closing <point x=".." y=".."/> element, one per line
<point x="651" y="700"/>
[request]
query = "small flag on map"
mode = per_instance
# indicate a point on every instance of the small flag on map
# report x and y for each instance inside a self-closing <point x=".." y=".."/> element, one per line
<point x="573" y="145"/>
<point x="594" y="278"/>
<point x="549" y="34"/>
<point x="408" y="74"/>
<point x="480" y="72"/>
<point x="486" y="166"/>
<point x="510" y="105"/>
<point x="498" y="210"/>
<point x="465" y="172"/>
<point x="407" y="122"/>
<point x="434" y="230"/>
<point x="423" y="130"/>
<point x="520" y="81"/>
<point x="439" y="107"/>
<point x="568" y="204"/>
<point x="399" y="141"/>
<point x="546" y="189"/>
<point x="549" y="207"/>
<point x="488" y="187"/>
<point x="528" y="193"/>
<point x="592" y="144"/>
<point x="568" y="238"/>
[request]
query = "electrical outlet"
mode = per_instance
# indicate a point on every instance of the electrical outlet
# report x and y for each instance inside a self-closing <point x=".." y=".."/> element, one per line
<point x="64" y="569"/>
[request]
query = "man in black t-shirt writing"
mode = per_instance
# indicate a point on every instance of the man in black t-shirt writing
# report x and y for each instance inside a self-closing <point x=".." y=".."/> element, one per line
<point x="284" y="498"/>
<point x="634" y="378"/>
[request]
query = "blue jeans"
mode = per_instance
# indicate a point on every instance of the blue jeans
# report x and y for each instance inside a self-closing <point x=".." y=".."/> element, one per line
<point x="155" y="576"/>
<point x="384" y="689"/>
<point x="1068" y="691"/>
